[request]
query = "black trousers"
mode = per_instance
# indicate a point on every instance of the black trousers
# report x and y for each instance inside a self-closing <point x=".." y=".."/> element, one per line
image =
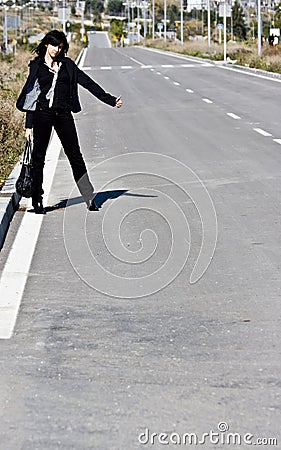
<point x="63" y="123"/>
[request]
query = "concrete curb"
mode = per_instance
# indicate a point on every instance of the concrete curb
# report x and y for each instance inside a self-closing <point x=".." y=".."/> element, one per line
<point x="9" y="199"/>
<point x="9" y="202"/>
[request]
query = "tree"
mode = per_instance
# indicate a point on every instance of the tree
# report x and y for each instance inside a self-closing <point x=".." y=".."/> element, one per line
<point x="114" y="7"/>
<point x="277" y="16"/>
<point x="116" y="27"/>
<point x="238" y="20"/>
<point x="95" y="7"/>
<point x="172" y="14"/>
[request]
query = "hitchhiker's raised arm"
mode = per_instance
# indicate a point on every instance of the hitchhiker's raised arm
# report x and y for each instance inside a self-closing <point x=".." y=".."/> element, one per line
<point x="95" y="89"/>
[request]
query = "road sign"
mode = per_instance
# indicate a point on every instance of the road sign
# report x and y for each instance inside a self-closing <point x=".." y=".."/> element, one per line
<point x="221" y="10"/>
<point x="219" y="26"/>
<point x="274" y="31"/>
<point x="63" y="14"/>
<point x="160" y="26"/>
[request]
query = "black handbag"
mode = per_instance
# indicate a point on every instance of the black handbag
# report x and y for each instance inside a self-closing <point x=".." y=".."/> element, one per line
<point x="24" y="183"/>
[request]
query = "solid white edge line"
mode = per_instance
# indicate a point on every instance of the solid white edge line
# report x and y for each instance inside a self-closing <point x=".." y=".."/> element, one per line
<point x="278" y="141"/>
<point x="83" y="58"/>
<point x="277" y="80"/>
<point x="15" y="273"/>
<point x="108" y="40"/>
<point x="16" y="269"/>
<point x="262" y="132"/>
<point x="162" y="52"/>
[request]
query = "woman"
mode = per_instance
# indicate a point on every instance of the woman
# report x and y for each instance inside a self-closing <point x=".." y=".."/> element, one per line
<point x="49" y="97"/>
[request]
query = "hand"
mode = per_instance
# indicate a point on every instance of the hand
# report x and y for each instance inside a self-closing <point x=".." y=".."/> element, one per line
<point x="28" y="133"/>
<point x="119" y="102"/>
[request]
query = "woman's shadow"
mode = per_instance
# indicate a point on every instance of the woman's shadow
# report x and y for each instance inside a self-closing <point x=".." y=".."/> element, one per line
<point x="100" y="199"/>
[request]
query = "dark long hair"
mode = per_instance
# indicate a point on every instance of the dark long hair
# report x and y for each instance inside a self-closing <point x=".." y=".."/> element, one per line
<point x="55" y="38"/>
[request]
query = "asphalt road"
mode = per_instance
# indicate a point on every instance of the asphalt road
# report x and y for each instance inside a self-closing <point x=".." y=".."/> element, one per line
<point x="161" y="312"/>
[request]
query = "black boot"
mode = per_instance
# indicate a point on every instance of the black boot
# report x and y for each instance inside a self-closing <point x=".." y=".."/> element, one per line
<point x="37" y="203"/>
<point x="93" y="206"/>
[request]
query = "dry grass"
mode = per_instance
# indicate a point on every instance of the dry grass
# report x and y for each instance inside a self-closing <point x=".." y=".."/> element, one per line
<point x="12" y="75"/>
<point x="243" y="54"/>
<point x="13" y="72"/>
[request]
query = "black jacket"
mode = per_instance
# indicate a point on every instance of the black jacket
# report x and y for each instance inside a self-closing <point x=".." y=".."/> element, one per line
<point x="26" y="101"/>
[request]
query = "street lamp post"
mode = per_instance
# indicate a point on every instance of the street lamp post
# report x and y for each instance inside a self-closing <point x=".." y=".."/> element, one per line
<point x="5" y="29"/>
<point x="224" y="31"/>
<point x="165" y="20"/>
<point x="138" y="19"/>
<point x="209" y="23"/>
<point x="153" y="19"/>
<point x="181" y="7"/>
<point x="82" y="20"/>
<point x="129" y="18"/>
<point x="259" y="27"/>
<point x="144" y="19"/>
<point x="127" y="5"/>
<point x="144" y="6"/>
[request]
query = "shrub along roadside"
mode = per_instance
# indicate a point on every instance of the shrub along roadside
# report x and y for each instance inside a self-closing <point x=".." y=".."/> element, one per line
<point x="13" y="72"/>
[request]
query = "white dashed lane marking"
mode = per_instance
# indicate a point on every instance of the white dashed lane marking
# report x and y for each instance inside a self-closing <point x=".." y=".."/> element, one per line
<point x="136" y="61"/>
<point x="189" y="91"/>
<point x="233" y="116"/>
<point x="146" y="66"/>
<point x="262" y="132"/>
